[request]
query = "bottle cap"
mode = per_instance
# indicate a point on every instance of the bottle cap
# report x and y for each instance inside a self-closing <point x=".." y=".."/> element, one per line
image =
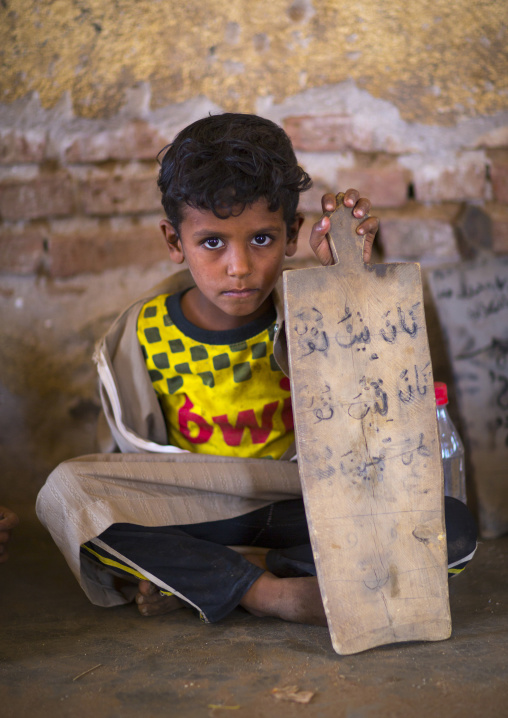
<point x="441" y="393"/>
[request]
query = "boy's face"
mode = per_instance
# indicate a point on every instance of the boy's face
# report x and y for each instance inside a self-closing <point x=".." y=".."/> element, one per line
<point x="235" y="262"/>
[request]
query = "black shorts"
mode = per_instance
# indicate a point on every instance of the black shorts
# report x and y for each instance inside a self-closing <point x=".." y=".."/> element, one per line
<point x="194" y="562"/>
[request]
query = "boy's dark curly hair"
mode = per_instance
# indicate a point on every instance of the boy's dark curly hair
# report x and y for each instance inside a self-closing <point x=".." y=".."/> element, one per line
<point x="225" y="162"/>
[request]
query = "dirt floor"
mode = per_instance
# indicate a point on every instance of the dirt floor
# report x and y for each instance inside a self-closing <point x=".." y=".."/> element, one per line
<point x="60" y="656"/>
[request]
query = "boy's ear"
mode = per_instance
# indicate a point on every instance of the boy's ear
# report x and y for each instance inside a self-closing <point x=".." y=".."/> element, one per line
<point x="173" y="241"/>
<point x="293" y="231"/>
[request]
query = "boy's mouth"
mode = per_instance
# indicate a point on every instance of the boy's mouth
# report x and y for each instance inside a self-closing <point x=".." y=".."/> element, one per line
<point x="239" y="293"/>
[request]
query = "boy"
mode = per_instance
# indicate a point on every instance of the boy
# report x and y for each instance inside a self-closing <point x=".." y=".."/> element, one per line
<point x="196" y="367"/>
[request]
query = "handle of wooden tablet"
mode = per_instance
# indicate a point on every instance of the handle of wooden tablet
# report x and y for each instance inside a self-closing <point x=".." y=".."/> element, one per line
<point x="346" y="245"/>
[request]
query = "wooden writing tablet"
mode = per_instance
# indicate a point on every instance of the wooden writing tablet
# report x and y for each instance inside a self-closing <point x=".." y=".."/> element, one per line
<point x="368" y="446"/>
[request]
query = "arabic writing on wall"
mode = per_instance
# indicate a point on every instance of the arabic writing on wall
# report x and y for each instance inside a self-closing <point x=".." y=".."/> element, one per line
<point x="473" y="307"/>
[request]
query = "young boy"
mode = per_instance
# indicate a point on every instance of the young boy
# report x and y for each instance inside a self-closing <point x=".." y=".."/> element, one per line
<point x="195" y="368"/>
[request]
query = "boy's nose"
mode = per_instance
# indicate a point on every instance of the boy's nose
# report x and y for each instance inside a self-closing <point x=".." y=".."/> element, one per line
<point x="239" y="263"/>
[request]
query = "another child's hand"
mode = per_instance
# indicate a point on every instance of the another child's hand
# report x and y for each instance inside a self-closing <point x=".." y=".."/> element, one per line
<point x="367" y="228"/>
<point x="8" y="521"/>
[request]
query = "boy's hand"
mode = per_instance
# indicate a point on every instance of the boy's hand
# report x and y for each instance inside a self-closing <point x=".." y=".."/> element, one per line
<point x="367" y="228"/>
<point x="8" y="521"/>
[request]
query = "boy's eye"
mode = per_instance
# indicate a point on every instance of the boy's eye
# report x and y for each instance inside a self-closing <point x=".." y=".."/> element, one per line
<point x="213" y="243"/>
<point x="262" y="240"/>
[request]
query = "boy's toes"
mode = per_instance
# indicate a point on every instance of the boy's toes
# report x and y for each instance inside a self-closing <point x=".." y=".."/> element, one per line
<point x="159" y="606"/>
<point x="147" y="588"/>
<point x="151" y="603"/>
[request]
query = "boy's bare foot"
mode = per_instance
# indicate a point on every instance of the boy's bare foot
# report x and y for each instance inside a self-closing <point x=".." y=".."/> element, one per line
<point x="292" y="599"/>
<point x="151" y="603"/>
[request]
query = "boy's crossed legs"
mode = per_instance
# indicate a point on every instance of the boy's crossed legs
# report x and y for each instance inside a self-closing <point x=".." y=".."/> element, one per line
<point x="198" y="565"/>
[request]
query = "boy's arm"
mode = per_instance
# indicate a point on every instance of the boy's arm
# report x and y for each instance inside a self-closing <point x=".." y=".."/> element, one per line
<point x="368" y="227"/>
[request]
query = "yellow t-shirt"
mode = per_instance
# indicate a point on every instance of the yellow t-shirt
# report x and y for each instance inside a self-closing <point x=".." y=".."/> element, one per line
<point x="221" y="392"/>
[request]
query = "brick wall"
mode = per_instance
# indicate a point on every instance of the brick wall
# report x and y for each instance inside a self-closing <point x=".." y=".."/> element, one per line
<point x="420" y="196"/>
<point x="82" y="204"/>
<point x="85" y="200"/>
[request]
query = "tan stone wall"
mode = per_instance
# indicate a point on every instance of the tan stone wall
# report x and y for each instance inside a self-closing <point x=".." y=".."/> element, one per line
<point x="407" y="103"/>
<point x="435" y="60"/>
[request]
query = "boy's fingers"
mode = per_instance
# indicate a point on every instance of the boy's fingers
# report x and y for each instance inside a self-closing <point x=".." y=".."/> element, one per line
<point x="328" y="202"/>
<point x="368" y="229"/>
<point x="367" y="249"/>
<point x="319" y="242"/>
<point x="369" y="226"/>
<point x="362" y="207"/>
<point x="351" y="197"/>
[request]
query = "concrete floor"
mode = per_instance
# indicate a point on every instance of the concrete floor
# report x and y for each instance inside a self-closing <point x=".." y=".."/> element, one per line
<point x="176" y="666"/>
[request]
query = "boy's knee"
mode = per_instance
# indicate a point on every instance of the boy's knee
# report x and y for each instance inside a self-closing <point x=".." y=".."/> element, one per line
<point x="461" y="535"/>
<point x="59" y="485"/>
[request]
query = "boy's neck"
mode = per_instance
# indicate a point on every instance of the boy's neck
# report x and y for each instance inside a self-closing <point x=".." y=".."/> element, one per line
<point x="198" y="311"/>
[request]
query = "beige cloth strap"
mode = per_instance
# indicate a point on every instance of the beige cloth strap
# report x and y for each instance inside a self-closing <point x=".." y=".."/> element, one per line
<point x="83" y="497"/>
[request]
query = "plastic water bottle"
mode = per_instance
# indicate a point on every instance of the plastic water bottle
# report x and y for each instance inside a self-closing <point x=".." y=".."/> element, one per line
<point x="452" y="448"/>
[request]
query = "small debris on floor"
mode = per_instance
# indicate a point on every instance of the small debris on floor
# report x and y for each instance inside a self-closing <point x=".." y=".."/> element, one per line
<point x="224" y="708"/>
<point x="80" y="675"/>
<point x="291" y="693"/>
